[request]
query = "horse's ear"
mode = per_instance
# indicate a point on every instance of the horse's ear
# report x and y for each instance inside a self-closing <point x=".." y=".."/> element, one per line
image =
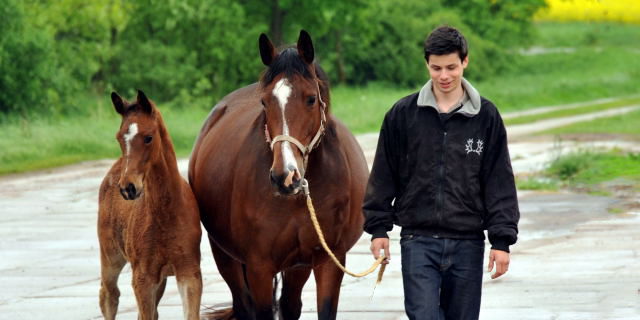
<point x="144" y="102"/>
<point x="267" y="51"/>
<point x="305" y="47"/>
<point x="118" y="103"/>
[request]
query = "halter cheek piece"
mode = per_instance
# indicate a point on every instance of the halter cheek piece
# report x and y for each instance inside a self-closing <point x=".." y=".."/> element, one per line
<point x="314" y="142"/>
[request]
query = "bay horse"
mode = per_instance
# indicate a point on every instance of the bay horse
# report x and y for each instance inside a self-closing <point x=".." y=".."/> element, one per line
<point x="147" y="216"/>
<point x="247" y="168"/>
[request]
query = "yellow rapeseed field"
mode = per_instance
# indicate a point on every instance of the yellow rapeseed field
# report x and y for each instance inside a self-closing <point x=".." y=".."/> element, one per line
<point x="627" y="11"/>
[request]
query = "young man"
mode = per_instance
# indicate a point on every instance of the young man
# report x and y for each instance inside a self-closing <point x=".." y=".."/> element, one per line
<point x="442" y="172"/>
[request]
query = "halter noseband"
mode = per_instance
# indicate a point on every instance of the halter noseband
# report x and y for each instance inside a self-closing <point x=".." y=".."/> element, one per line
<point x="305" y="150"/>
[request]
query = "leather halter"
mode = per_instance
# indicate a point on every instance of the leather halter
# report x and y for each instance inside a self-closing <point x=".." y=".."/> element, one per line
<point x="305" y="150"/>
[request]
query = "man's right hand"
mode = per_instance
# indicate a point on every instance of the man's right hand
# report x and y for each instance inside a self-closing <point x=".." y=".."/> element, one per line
<point x="378" y="244"/>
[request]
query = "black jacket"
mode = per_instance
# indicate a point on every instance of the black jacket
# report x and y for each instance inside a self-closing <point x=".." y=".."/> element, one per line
<point x="446" y="177"/>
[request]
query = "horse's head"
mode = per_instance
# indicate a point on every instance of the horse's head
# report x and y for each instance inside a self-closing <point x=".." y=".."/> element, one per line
<point x="139" y="139"/>
<point x="294" y="109"/>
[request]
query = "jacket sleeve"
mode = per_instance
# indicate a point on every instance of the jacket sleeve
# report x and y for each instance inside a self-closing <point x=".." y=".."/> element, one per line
<point x="382" y="187"/>
<point x="499" y="190"/>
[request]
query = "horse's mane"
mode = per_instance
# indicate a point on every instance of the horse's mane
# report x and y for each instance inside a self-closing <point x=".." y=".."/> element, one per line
<point x="290" y="63"/>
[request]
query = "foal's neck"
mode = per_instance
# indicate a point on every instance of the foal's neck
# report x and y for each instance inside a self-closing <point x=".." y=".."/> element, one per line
<point x="164" y="173"/>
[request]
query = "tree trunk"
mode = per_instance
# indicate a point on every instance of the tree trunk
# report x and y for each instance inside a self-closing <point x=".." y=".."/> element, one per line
<point x="277" y="19"/>
<point x="339" y="61"/>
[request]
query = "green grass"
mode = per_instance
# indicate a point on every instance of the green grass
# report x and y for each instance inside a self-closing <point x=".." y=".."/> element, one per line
<point x="585" y="34"/>
<point x="573" y="111"/>
<point x="536" y="183"/>
<point x="363" y="108"/>
<point x="46" y="143"/>
<point x="628" y="124"/>
<point x="588" y="168"/>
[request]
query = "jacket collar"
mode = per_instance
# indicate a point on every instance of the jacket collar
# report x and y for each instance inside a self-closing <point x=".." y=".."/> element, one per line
<point x="470" y="100"/>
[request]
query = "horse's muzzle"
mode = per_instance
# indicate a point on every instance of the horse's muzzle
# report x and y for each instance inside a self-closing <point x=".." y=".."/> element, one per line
<point x="288" y="183"/>
<point x="130" y="192"/>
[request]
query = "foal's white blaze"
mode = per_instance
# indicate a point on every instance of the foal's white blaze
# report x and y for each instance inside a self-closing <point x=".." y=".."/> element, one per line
<point x="128" y="137"/>
<point x="282" y="91"/>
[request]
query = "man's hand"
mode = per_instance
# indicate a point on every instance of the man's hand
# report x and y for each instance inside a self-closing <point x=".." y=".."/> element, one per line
<point x="501" y="259"/>
<point x="378" y="244"/>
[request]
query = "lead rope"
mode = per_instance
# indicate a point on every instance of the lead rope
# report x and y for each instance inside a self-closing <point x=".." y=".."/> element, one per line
<point x="316" y="225"/>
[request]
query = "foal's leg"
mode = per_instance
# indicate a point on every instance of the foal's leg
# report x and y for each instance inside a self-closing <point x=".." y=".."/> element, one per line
<point x="292" y="284"/>
<point x="159" y="294"/>
<point x="111" y="264"/>
<point x="328" y="279"/>
<point x="145" y="284"/>
<point x="190" y="287"/>
<point x="231" y="271"/>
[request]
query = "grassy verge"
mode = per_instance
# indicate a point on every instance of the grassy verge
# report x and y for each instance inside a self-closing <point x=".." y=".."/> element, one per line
<point x="45" y="143"/>
<point x="586" y="169"/>
<point x="627" y="124"/>
<point x="624" y="102"/>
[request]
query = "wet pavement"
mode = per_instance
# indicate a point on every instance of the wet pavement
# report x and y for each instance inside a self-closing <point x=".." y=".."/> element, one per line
<point x="574" y="259"/>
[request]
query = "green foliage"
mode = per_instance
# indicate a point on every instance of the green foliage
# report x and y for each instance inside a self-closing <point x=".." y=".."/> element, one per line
<point x="182" y="51"/>
<point x="28" y="79"/>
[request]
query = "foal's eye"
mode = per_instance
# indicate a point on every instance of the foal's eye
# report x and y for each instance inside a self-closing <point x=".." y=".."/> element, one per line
<point x="148" y="139"/>
<point x="311" y="101"/>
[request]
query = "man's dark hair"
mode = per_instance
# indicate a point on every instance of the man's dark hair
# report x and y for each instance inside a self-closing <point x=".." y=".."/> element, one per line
<point x="445" y="40"/>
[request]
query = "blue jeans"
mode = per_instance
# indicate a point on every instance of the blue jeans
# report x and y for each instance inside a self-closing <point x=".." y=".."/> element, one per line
<point x="442" y="278"/>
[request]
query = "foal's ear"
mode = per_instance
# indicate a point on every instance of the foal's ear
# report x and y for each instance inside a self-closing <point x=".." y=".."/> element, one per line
<point x="118" y="103"/>
<point x="144" y="102"/>
<point x="267" y="51"/>
<point x="305" y="47"/>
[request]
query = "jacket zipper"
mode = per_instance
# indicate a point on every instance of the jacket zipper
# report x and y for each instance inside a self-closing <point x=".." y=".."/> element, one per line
<point x="440" y="199"/>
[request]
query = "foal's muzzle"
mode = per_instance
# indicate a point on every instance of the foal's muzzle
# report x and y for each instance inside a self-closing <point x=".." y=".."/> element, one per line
<point x="130" y="192"/>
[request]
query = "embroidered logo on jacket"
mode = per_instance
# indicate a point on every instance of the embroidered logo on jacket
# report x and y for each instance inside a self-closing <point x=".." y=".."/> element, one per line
<point x="479" y="146"/>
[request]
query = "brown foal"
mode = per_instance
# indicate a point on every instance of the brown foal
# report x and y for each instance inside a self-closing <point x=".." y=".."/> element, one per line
<point x="147" y="216"/>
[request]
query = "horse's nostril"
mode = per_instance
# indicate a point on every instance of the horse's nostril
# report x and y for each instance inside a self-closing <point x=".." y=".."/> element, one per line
<point x="123" y="193"/>
<point x="131" y="190"/>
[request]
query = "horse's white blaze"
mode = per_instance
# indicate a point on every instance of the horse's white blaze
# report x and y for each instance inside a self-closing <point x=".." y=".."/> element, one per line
<point x="128" y="137"/>
<point x="282" y="91"/>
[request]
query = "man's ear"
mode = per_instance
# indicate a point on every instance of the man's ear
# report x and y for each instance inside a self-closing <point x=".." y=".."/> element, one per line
<point x="465" y="62"/>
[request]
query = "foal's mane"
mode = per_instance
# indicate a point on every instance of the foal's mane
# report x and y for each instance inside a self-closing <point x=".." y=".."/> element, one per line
<point x="289" y="62"/>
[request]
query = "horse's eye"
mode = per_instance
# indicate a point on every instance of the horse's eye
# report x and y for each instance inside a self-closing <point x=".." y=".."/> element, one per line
<point x="262" y="102"/>
<point x="148" y="139"/>
<point x="311" y="101"/>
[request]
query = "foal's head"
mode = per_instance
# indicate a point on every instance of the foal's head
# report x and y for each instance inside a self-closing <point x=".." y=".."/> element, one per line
<point x="140" y="140"/>
<point x="294" y="109"/>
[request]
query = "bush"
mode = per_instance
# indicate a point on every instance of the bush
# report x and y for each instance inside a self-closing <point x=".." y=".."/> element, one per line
<point x="30" y="81"/>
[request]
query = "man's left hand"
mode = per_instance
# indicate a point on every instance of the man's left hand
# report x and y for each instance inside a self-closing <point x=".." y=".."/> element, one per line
<point x="501" y="259"/>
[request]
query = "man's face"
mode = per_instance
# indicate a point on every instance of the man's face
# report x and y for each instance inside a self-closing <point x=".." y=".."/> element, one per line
<point x="446" y="71"/>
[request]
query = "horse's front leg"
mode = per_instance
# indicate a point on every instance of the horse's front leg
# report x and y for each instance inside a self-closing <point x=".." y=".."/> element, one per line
<point x="328" y="279"/>
<point x="292" y="285"/>
<point x="260" y="279"/>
